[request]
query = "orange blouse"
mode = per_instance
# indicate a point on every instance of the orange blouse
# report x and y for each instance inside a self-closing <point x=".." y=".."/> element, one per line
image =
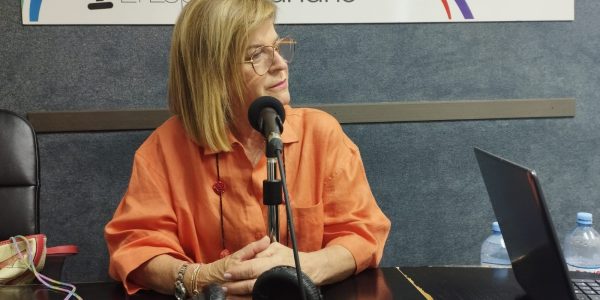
<point x="170" y="206"/>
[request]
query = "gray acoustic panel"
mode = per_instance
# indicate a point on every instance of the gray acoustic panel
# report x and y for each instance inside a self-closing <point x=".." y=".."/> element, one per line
<point x="83" y="179"/>
<point x="427" y="181"/>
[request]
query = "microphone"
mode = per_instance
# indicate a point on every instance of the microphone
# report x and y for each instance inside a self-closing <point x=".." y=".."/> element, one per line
<point x="266" y="114"/>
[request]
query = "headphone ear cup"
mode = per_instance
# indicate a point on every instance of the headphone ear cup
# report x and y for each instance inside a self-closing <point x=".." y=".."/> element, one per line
<point x="213" y="291"/>
<point x="281" y="282"/>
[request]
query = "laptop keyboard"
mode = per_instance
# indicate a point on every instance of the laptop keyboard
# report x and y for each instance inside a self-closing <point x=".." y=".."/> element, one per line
<point x="588" y="289"/>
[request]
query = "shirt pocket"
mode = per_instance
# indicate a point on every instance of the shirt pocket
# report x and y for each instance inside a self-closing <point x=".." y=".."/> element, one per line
<point x="308" y="223"/>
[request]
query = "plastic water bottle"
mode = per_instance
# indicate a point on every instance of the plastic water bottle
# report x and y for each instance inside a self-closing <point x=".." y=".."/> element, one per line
<point x="493" y="250"/>
<point x="582" y="246"/>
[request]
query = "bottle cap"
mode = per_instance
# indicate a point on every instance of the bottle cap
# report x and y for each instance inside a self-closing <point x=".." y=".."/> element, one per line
<point x="584" y="218"/>
<point x="495" y="227"/>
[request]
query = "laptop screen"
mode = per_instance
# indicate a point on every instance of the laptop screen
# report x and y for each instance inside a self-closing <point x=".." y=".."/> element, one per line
<point x="527" y="229"/>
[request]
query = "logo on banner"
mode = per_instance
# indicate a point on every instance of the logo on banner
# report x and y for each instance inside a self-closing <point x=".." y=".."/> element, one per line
<point x="462" y="5"/>
<point x="99" y="4"/>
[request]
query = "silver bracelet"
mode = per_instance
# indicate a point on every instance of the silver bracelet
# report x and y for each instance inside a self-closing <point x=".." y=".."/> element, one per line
<point x="180" y="291"/>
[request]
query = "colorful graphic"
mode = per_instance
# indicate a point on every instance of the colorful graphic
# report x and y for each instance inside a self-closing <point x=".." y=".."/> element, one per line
<point x="462" y="5"/>
<point x="34" y="10"/>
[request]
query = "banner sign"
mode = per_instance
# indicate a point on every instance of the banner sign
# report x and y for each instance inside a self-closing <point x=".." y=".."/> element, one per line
<point x="304" y="11"/>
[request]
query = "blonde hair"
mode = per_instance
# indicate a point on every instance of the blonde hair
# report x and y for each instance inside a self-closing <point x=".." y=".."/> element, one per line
<point x="205" y="86"/>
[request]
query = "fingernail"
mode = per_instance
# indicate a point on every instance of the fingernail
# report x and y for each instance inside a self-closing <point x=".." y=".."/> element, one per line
<point x="227" y="275"/>
<point x="224" y="289"/>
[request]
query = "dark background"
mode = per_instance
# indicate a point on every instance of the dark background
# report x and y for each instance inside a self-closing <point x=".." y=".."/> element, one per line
<point x="423" y="174"/>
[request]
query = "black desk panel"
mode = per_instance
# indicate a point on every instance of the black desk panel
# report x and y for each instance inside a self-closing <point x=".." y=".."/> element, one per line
<point x="466" y="282"/>
<point x="384" y="283"/>
<point x="88" y="291"/>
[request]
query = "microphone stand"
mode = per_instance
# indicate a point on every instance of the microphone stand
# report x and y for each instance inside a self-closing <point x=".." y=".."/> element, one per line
<point x="290" y="222"/>
<point x="266" y="115"/>
<point x="272" y="188"/>
<point x="272" y="185"/>
<point x="272" y="198"/>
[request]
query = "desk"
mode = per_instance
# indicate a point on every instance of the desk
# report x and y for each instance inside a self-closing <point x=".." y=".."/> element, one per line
<point x="439" y="282"/>
<point x="383" y="283"/>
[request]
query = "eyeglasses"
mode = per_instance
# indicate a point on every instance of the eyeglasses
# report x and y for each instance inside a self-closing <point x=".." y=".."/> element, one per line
<point x="262" y="57"/>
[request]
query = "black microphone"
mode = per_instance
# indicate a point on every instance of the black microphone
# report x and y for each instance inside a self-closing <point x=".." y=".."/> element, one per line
<point x="266" y="114"/>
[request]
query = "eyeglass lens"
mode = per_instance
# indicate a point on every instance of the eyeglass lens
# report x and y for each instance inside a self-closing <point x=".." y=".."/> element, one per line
<point x="262" y="59"/>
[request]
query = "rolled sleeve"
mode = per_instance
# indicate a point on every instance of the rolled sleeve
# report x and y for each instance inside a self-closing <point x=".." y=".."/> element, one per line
<point x="143" y="226"/>
<point x="353" y="218"/>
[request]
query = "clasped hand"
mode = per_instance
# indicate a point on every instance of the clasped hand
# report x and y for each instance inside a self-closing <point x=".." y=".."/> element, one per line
<point x="238" y="272"/>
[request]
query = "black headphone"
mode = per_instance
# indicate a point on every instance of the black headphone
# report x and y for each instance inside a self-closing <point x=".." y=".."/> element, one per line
<point x="281" y="282"/>
<point x="277" y="283"/>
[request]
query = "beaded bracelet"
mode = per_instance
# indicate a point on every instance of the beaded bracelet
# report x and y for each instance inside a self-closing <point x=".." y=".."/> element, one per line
<point x="180" y="291"/>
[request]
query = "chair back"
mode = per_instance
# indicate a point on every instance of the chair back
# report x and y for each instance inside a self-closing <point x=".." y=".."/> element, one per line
<point x="19" y="177"/>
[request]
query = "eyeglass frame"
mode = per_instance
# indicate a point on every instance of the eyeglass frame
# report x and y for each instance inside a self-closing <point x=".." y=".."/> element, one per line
<point x="275" y="46"/>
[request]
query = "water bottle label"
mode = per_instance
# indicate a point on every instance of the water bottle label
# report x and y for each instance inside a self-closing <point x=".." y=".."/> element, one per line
<point x="595" y="270"/>
<point x="495" y="265"/>
<point x="495" y="262"/>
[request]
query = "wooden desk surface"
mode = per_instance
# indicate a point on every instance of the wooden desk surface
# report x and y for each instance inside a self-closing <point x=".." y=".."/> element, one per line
<point x="383" y="283"/>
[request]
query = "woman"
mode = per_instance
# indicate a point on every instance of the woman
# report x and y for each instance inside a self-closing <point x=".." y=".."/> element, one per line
<point x="195" y="194"/>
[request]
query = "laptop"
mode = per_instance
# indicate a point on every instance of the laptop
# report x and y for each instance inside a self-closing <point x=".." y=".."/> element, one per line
<point x="520" y="209"/>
